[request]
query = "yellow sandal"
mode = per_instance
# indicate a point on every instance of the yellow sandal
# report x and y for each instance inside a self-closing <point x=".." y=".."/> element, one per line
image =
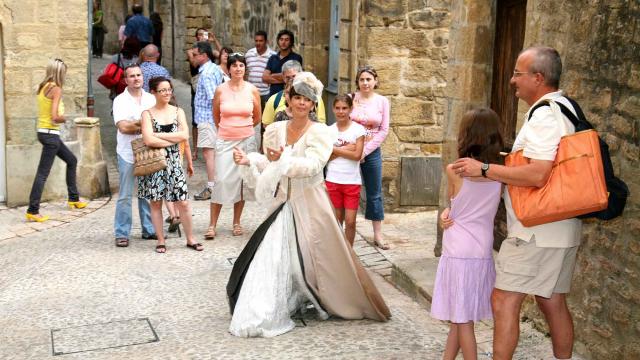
<point x="77" y="204"/>
<point x="36" y="217"/>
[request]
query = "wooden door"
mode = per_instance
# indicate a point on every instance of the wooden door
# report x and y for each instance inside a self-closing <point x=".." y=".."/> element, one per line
<point x="508" y="42"/>
<point x="510" y="26"/>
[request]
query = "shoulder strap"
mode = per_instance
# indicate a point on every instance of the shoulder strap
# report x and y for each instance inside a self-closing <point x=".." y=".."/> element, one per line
<point x="277" y="99"/>
<point x="579" y="112"/>
<point x="567" y="113"/>
<point x="47" y="89"/>
<point x="533" y="109"/>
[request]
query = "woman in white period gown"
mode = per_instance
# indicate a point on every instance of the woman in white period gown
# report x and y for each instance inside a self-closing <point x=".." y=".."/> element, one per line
<point x="298" y="255"/>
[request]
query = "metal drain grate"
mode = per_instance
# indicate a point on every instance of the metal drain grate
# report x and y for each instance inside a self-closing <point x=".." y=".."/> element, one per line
<point x="92" y="337"/>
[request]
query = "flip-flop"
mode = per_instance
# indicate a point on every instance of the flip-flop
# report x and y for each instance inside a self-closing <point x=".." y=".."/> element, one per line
<point x="161" y="249"/>
<point x="196" y="246"/>
<point x="382" y="244"/>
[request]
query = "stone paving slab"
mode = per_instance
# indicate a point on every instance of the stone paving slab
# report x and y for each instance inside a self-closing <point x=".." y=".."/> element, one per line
<point x="102" y="336"/>
<point x="13" y="223"/>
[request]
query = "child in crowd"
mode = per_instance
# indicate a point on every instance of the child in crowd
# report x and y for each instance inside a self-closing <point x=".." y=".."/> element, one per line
<point x="343" y="170"/>
<point x="466" y="274"/>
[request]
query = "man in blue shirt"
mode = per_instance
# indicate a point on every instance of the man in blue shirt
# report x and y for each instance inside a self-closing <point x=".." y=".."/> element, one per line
<point x="210" y="76"/>
<point x="150" y="67"/>
<point x="139" y="26"/>
<point x="273" y="73"/>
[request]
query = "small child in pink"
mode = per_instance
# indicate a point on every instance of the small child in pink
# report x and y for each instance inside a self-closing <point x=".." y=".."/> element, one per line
<point x="466" y="273"/>
<point x="343" y="170"/>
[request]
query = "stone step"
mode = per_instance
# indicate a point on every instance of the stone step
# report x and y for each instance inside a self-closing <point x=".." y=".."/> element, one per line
<point x="416" y="278"/>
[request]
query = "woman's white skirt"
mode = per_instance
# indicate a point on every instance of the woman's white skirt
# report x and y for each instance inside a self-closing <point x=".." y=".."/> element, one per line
<point x="229" y="187"/>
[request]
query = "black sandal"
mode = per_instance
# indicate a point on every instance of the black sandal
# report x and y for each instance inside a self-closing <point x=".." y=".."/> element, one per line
<point x="122" y="242"/>
<point x="161" y="249"/>
<point x="174" y="224"/>
<point x="196" y="246"/>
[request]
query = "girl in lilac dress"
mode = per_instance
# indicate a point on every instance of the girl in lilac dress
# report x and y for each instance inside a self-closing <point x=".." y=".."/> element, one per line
<point x="466" y="272"/>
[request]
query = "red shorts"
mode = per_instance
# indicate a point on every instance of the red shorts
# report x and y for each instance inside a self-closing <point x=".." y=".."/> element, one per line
<point x="345" y="196"/>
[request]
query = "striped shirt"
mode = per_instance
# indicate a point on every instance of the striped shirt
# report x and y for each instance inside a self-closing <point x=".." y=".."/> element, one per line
<point x="210" y="78"/>
<point x="256" y="64"/>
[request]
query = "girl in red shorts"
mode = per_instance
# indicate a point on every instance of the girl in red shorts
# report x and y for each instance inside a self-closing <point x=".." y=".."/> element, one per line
<point x="343" y="170"/>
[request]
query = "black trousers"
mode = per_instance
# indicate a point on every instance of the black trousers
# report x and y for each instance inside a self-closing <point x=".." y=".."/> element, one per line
<point x="97" y="41"/>
<point x="52" y="146"/>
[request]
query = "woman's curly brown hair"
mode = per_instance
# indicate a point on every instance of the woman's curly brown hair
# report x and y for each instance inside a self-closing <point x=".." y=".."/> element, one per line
<point x="479" y="136"/>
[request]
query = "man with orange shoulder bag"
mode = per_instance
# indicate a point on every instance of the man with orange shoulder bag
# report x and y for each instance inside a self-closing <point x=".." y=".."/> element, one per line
<point x="533" y="259"/>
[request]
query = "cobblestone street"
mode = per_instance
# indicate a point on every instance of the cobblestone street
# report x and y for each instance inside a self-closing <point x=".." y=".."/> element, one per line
<point x="67" y="290"/>
<point x="73" y="276"/>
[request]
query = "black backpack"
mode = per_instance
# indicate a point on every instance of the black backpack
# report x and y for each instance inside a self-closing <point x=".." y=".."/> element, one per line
<point x="616" y="188"/>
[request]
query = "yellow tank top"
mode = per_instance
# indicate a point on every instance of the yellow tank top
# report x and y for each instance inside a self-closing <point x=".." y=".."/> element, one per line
<point x="44" y="110"/>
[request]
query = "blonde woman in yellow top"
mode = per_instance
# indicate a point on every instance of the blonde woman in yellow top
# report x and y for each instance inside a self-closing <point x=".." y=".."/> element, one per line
<point x="50" y="116"/>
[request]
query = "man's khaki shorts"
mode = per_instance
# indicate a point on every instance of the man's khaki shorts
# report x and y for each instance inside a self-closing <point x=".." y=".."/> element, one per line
<point x="525" y="268"/>
<point x="207" y="136"/>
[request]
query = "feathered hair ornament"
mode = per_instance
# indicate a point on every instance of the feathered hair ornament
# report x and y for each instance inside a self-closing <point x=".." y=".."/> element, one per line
<point x="307" y="85"/>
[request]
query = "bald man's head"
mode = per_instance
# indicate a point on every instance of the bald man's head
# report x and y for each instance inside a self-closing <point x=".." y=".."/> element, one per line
<point x="150" y="52"/>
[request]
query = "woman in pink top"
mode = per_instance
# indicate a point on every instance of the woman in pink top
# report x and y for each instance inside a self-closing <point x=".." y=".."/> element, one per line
<point x="371" y="110"/>
<point x="236" y="110"/>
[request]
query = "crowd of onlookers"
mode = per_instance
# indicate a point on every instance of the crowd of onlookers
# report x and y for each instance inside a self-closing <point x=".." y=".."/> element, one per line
<point x="234" y="97"/>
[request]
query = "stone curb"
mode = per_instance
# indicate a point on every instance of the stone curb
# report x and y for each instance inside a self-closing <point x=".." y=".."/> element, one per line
<point x="14" y="225"/>
<point x="416" y="280"/>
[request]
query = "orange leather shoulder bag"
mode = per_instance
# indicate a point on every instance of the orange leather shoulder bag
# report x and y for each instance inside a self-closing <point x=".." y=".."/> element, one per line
<point x="575" y="187"/>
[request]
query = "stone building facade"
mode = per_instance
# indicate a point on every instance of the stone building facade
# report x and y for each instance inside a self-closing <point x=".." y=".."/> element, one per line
<point x="437" y="59"/>
<point x="32" y="32"/>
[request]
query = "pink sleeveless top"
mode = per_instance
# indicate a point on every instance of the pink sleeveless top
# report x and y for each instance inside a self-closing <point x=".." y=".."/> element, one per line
<point x="472" y="210"/>
<point x="236" y="114"/>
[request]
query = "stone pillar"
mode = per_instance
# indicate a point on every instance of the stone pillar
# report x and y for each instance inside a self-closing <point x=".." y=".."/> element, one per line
<point x="92" y="169"/>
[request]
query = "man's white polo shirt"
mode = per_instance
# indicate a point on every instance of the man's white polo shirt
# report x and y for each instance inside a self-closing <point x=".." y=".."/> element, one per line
<point x="125" y="107"/>
<point x="539" y="138"/>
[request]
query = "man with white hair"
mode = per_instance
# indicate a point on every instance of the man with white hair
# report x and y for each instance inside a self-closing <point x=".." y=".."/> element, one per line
<point x="277" y="101"/>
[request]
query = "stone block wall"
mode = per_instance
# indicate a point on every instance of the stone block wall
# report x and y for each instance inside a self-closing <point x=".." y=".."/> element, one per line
<point x="408" y="44"/>
<point x="600" y="46"/>
<point x="34" y="32"/>
<point x="114" y="14"/>
<point x="236" y="21"/>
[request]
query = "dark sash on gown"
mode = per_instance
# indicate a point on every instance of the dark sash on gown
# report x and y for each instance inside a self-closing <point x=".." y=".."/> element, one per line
<point x="241" y="265"/>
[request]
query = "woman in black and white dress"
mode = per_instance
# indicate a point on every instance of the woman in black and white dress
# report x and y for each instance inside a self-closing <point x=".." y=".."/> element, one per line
<point x="164" y="126"/>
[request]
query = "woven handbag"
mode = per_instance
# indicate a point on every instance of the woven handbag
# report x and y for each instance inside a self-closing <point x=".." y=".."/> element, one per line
<point x="147" y="160"/>
<point x="575" y="187"/>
